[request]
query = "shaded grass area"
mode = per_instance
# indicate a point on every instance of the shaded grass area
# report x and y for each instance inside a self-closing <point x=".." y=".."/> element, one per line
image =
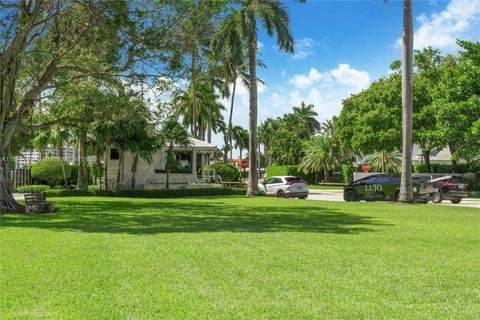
<point x="240" y="258"/>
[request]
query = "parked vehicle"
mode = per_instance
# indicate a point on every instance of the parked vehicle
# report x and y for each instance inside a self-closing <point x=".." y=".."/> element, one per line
<point x="285" y="187"/>
<point x="386" y="187"/>
<point x="449" y="187"/>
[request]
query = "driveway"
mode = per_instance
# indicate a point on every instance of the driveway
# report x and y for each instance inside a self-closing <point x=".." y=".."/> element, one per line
<point x="337" y="195"/>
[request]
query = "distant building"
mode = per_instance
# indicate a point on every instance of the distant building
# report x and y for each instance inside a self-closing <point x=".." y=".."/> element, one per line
<point x="32" y="156"/>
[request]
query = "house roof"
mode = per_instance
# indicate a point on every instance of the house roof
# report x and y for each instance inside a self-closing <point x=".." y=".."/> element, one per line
<point x="199" y="144"/>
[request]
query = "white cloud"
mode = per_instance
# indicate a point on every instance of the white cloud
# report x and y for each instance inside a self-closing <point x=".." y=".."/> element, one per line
<point x="304" y="48"/>
<point x="459" y="20"/>
<point x="342" y="75"/>
<point x="242" y="90"/>
<point x="351" y="77"/>
<point x="283" y="73"/>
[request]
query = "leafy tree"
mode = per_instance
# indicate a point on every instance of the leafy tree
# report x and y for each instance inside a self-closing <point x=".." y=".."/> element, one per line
<point x="240" y="28"/>
<point x="457" y="97"/>
<point x="41" y="40"/>
<point x="385" y="161"/>
<point x="171" y="135"/>
<point x="426" y="78"/>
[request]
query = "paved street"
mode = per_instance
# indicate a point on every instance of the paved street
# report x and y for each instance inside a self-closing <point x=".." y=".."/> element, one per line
<point x="337" y="195"/>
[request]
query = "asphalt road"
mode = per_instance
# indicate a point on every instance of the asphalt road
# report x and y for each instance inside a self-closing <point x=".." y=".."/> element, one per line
<point x="337" y="195"/>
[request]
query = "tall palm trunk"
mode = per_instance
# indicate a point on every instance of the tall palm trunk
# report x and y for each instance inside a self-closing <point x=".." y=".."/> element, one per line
<point x="229" y="135"/>
<point x="82" y="170"/>
<point x="252" y="124"/>
<point x="406" y="190"/>
<point x="193" y="125"/>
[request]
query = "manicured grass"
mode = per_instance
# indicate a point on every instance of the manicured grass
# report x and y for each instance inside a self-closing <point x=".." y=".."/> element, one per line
<point x="317" y="187"/>
<point x="240" y="258"/>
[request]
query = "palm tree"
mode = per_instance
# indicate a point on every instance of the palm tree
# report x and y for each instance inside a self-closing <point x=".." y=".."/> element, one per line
<point x="406" y="189"/>
<point x="385" y="161"/>
<point x="319" y="155"/>
<point x="240" y="136"/>
<point x="240" y="30"/>
<point x="307" y="114"/>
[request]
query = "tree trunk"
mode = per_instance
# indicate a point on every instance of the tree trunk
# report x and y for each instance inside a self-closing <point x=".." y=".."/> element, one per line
<point x="229" y="131"/>
<point x="406" y="188"/>
<point x="106" y="157"/>
<point x="98" y="162"/>
<point x="7" y="202"/>
<point x="61" y="156"/>
<point x="209" y="130"/>
<point x="426" y="158"/>
<point x="454" y="161"/>
<point x="252" y="189"/>
<point x="383" y="160"/>
<point x="82" y="168"/>
<point x="326" y="174"/>
<point x="134" y="171"/>
<point x="194" y="97"/>
<point x="119" y="170"/>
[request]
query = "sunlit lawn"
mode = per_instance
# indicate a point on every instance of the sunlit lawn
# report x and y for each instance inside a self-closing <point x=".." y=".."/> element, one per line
<point x="238" y="258"/>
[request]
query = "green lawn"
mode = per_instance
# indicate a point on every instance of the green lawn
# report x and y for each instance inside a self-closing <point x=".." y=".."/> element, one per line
<point x="239" y="258"/>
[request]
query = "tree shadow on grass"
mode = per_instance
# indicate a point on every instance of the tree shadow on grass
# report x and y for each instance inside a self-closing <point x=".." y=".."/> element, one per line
<point x="152" y="217"/>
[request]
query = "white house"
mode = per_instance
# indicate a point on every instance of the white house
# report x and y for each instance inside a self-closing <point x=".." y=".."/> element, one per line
<point x="152" y="175"/>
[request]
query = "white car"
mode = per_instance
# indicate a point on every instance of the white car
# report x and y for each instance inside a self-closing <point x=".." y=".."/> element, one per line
<point x="285" y="187"/>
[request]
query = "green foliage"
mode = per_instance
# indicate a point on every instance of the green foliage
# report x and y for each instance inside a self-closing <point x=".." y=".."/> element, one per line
<point x="32" y="188"/>
<point x="442" y="168"/>
<point x="474" y="194"/>
<point x="292" y="170"/>
<point x="346" y="172"/>
<point x="49" y="171"/>
<point x="225" y="170"/>
<point x="160" y="193"/>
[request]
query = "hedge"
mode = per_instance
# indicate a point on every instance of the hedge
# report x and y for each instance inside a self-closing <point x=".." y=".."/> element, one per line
<point x="292" y="170"/>
<point x="226" y="171"/>
<point x="160" y="193"/>
<point x="447" y="168"/>
<point x="474" y="194"/>
<point x="32" y="188"/>
<point x="49" y="171"/>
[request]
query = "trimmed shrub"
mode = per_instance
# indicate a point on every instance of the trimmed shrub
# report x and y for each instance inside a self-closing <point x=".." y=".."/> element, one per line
<point x="474" y="194"/>
<point x="225" y="170"/>
<point x="49" y="171"/>
<point x="161" y="193"/>
<point x="443" y="168"/>
<point x="32" y="188"/>
<point x="292" y="170"/>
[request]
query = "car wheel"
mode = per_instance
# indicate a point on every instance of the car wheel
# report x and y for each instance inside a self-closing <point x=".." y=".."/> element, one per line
<point x="280" y="194"/>
<point x="455" y="201"/>
<point x="350" y="195"/>
<point x="396" y="196"/>
<point x="437" y="198"/>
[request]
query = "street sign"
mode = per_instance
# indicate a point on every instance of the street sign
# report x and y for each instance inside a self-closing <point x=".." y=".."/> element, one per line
<point x="366" y="167"/>
<point x="244" y="164"/>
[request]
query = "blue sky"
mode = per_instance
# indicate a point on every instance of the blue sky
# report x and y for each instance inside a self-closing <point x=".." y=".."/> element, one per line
<point x="342" y="46"/>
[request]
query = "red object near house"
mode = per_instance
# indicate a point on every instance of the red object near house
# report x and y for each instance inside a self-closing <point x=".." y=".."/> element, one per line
<point x="244" y="164"/>
<point x="366" y="167"/>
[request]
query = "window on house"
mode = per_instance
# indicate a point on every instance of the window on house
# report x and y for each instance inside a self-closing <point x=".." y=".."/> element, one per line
<point x="114" y="155"/>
